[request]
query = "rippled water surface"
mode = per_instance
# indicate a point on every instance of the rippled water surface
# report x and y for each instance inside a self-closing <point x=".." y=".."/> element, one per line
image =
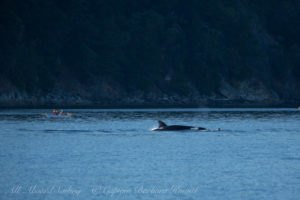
<point x="112" y="154"/>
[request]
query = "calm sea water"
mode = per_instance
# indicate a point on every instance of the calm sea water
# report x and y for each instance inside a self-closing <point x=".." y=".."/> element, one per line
<point x="112" y="154"/>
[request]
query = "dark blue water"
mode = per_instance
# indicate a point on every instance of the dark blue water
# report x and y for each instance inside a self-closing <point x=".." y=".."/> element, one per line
<point x="112" y="154"/>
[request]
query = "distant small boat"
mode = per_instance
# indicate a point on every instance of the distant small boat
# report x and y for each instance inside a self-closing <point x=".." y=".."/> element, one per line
<point x="299" y="107"/>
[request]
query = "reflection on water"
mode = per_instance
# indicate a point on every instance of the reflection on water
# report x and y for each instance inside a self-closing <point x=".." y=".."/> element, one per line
<point x="254" y="156"/>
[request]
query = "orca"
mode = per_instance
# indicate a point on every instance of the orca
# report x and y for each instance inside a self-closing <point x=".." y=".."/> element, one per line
<point x="164" y="127"/>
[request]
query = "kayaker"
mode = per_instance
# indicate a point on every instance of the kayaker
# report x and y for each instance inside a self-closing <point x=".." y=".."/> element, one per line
<point x="62" y="112"/>
<point x="55" y="112"/>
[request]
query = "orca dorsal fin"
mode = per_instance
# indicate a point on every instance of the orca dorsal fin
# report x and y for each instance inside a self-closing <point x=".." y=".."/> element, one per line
<point x="161" y="124"/>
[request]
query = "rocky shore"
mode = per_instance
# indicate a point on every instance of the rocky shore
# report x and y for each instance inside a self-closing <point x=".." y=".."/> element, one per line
<point x="243" y="94"/>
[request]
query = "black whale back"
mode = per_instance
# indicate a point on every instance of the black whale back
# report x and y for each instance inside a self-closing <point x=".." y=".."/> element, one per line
<point x="164" y="127"/>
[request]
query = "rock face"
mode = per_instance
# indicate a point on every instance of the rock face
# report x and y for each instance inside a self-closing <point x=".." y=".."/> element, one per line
<point x="252" y="91"/>
<point x="110" y="94"/>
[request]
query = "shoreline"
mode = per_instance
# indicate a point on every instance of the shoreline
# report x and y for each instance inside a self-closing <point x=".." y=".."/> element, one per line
<point x="158" y="106"/>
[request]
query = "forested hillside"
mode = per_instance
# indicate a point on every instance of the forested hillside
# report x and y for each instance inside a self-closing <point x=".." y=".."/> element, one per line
<point x="149" y="52"/>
